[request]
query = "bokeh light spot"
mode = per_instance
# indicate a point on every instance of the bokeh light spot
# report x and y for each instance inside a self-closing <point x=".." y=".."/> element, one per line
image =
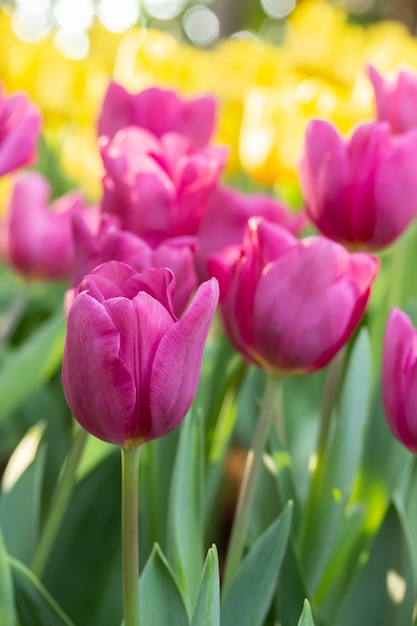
<point x="117" y="16"/>
<point x="201" y="25"/>
<point x="163" y="9"/>
<point x="278" y="8"/>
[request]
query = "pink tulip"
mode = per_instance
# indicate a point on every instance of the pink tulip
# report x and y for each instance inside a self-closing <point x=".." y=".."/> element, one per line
<point x="158" y="187"/>
<point x="289" y="305"/>
<point x="131" y="367"/>
<point x="159" y="111"/>
<point x="225" y="218"/>
<point x="20" y="122"/>
<point x="399" y="378"/>
<point x="361" y="192"/>
<point x="110" y="242"/>
<point x="37" y="238"/>
<point x="396" y="101"/>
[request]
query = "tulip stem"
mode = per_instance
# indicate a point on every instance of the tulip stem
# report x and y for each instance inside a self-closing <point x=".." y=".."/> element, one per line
<point x="60" y="503"/>
<point x="130" y="535"/>
<point x="249" y="480"/>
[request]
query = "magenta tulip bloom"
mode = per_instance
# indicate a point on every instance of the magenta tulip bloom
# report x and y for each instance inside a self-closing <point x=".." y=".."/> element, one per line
<point x="131" y="367"/>
<point x="159" y="111"/>
<point x="110" y="242"/>
<point x="396" y="101"/>
<point x="288" y="305"/>
<point x="37" y="238"/>
<point x="399" y="378"/>
<point x="158" y="187"/>
<point x="225" y="218"/>
<point x="20" y="122"/>
<point x="361" y="192"/>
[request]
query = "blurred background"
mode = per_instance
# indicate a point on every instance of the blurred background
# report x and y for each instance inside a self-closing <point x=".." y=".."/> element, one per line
<point x="201" y="22"/>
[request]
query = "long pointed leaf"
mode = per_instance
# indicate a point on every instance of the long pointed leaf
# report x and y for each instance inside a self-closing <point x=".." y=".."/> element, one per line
<point x="250" y="594"/>
<point x="185" y="533"/>
<point x="207" y="606"/>
<point x="7" y="605"/>
<point x="35" y="606"/>
<point x="161" y="600"/>
<point x="306" y="618"/>
<point x="27" y="367"/>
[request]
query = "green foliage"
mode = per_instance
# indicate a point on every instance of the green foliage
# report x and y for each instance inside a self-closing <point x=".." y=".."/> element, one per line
<point x="207" y="607"/>
<point x="156" y="583"/>
<point x="248" y="599"/>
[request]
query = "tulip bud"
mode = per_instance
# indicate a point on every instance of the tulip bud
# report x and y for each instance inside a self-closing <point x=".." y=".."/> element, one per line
<point x="158" y="187"/>
<point x="37" y="238"/>
<point x="361" y="192"/>
<point x="399" y="378"/>
<point x="288" y="306"/>
<point x="131" y="367"/>
<point x="159" y="111"/>
<point x="20" y="122"/>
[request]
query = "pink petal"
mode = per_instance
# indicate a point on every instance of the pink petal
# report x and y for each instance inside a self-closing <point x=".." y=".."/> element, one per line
<point x="399" y="378"/>
<point x="95" y="379"/>
<point x="177" y="364"/>
<point x="141" y="324"/>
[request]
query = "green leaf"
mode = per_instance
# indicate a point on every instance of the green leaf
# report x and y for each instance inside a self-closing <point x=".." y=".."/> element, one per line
<point x="185" y="531"/>
<point x="160" y="599"/>
<point x="35" y="606"/>
<point x="291" y="589"/>
<point x="83" y="573"/>
<point x="31" y="364"/>
<point x="383" y="591"/>
<point x="7" y="605"/>
<point x="207" y="606"/>
<point x="306" y="618"/>
<point x="250" y="594"/>
<point x="337" y="575"/>
<point x="342" y="458"/>
<point x="20" y="502"/>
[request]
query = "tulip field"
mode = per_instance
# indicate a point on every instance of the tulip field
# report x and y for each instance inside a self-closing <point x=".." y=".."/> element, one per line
<point x="208" y="327"/>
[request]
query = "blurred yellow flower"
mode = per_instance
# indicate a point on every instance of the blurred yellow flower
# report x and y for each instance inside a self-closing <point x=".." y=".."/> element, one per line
<point x="274" y="122"/>
<point x="321" y="42"/>
<point x="266" y="93"/>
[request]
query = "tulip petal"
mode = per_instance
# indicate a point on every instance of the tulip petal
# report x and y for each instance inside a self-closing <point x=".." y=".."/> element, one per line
<point x="396" y="179"/>
<point x="19" y="130"/>
<point x="141" y="323"/>
<point x="324" y="174"/>
<point x="177" y="364"/>
<point x="304" y="306"/>
<point x="95" y="379"/>
<point x="399" y="378"/>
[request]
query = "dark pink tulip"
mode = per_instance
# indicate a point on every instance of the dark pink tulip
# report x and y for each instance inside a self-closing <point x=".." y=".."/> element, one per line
<point x="396" y="101"/>
<point x="361" y="192"/>
<point x="227" y="213"/>
<point x="37" y="238"/>
<point x="158" y="187"/>
<point x="159" y="111"/>
<point x="20" y="122"/>
<point x="399" y="378"/>
<point x="131" y="367"/>
<point x="288" y="305"/>
<point x="110" y="242"/>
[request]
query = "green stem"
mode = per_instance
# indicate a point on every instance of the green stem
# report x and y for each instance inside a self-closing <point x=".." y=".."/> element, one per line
<point x="60" y="503"/>
<point x="329" y="399"/>
<point x="130" y="535"/>
<point x="249" y="480"/>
